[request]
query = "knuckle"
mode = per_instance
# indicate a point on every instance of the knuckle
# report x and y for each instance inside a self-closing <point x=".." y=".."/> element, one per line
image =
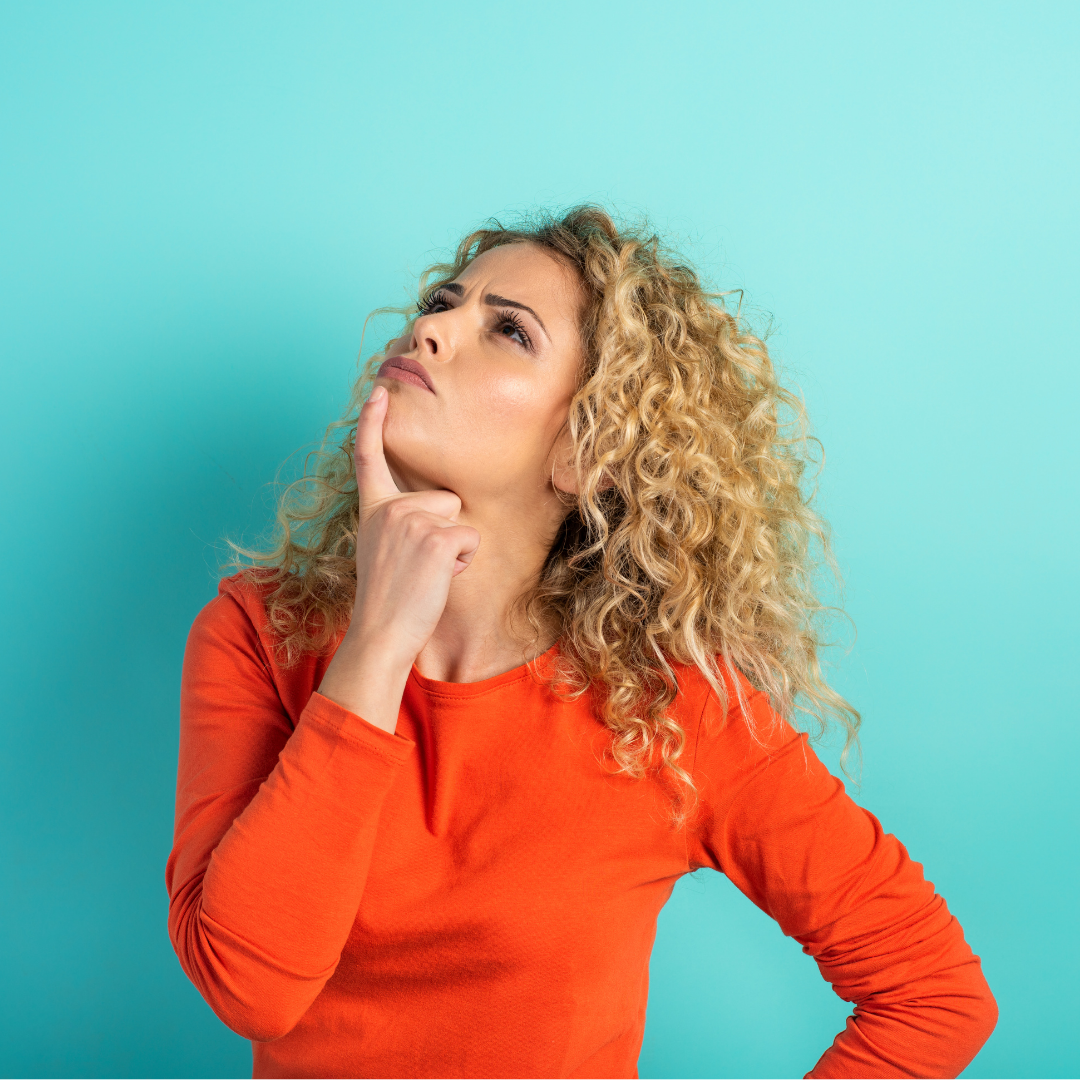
<point x="406" y="522"/>
<point x="396" y="510"/>
<point x="434" y="542"/>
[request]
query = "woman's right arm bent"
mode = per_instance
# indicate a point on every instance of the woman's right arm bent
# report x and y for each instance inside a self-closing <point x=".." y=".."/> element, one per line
<point x="274" y="826"/>
<point x="274" y="829"/>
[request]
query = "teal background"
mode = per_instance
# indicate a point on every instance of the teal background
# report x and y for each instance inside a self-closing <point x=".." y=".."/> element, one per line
<point x="199" y="203"/>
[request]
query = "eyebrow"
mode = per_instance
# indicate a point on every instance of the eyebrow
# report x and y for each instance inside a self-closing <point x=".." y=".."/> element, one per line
<point x="494" y="300"/>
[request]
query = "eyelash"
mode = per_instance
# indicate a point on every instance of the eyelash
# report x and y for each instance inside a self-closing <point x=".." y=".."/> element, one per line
<point x="424" y="306"/>
<point x="507" y="317"/>
<point x="510" y="318"/>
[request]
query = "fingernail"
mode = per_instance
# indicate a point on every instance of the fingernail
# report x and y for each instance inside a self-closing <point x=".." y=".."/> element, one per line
<point x="378" y="393"/>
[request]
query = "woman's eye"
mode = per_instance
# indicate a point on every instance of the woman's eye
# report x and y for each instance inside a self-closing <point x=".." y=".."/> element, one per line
<point x="433" y="305"/>
<point x="511" y="328"/>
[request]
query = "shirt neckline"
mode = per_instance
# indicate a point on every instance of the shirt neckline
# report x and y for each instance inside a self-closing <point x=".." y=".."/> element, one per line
<point x="472" y="689"/>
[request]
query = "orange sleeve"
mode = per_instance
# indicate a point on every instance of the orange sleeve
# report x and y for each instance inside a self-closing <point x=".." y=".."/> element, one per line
<point x="786" y="834"/>
<point x="274" y="829"/>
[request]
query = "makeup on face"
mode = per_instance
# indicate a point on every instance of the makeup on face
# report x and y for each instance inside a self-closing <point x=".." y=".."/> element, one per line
<point x="405" y="370"/>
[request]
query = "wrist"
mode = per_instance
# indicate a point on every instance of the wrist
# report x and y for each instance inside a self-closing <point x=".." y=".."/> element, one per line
<point x="375" y="652"/>
<point x="367" y="677"/>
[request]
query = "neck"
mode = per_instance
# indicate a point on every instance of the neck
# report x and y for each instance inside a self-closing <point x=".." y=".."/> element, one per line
<point x="478" y="636"/>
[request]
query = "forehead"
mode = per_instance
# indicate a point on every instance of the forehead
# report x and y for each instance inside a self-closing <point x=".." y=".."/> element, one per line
<point x="528" y="273"/>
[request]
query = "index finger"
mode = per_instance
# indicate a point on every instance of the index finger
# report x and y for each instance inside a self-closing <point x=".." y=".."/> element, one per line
<point x="373" y="480"/>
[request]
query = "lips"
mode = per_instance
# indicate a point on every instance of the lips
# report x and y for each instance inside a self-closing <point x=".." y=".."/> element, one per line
<point x="406" y="370"/>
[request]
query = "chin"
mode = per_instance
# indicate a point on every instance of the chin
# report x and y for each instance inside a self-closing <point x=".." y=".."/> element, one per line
<point x="415" y="463"/>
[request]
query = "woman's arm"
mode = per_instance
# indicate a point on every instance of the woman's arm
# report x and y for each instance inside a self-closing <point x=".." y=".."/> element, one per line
<point x="788" y="836"/>
<point x="274" y="829"/>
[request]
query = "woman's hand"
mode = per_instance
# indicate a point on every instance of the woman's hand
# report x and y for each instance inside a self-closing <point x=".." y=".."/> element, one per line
<point x="408" y="547"/>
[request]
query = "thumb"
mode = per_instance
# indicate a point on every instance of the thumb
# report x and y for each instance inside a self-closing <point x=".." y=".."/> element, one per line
<point x="468" y="541"/>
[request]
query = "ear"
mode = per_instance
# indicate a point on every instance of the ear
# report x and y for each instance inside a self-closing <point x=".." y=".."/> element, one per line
<point x="563" y="474"/>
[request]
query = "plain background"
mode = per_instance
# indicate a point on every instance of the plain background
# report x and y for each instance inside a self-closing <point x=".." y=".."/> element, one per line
<point x="200" y="202"/>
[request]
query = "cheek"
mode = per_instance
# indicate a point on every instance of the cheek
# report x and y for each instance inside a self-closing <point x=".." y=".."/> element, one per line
<point x="508" y="393"/>
<point x="519" y="406"/>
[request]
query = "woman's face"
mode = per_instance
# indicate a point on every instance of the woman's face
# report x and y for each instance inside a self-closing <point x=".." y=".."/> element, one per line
<point x="479" y="391"/>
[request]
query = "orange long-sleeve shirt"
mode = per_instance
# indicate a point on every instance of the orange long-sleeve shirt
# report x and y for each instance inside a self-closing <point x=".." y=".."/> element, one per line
<point x="476" y="895"/>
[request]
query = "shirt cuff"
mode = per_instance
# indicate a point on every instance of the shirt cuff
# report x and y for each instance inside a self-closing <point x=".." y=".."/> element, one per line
<point x="347" y="725"/>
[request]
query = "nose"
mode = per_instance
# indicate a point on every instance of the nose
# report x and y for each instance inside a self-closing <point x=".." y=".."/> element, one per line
<point x="431" y="336"/>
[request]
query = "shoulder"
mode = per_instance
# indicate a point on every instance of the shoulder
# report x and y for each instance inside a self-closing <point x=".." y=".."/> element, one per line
<point x="754" y="774"/>
<point x="244" y="593"/>
<point x="235" y="623"/>
<point x="241" y="601"/>
<point x="234" y="619"/>
<point x="232" y="643"/>
<point x="737" y="705"/>
<point x="730" y="734"/>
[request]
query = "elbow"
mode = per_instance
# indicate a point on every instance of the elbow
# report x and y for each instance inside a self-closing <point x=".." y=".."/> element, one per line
<point x="972" y="1015"/>
<point x="259" y="1022"/>
<point x="261" y="1009"/>
<point x="249" y="992"/>
<point x="985" y="1014"/>
<point x="973" y="1000"/>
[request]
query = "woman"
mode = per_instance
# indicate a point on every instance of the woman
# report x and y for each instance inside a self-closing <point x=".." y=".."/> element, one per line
<point x="530" y="648"/>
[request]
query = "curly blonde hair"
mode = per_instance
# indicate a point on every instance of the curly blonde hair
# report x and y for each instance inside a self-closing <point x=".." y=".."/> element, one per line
<point x="692" y="539"/>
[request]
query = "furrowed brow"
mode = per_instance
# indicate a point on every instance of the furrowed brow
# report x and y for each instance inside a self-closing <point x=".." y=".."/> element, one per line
<point x="494" y="300"/>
